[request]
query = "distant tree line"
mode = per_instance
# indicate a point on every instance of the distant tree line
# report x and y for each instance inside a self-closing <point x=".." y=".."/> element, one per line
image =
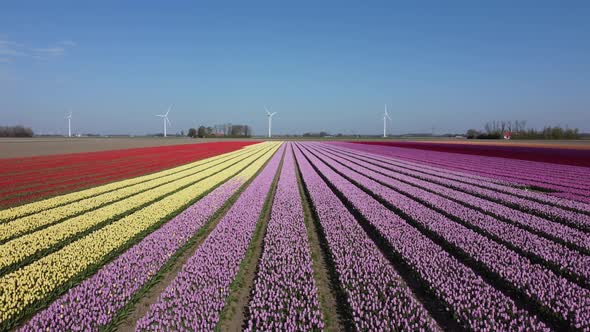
<point x="320" y="134"/>
<point x="224" y="130"/>
<point x="518" y="130"/>
<point x="15" y="131"/>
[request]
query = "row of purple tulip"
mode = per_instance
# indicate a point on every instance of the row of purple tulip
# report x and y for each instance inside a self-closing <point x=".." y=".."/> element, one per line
<point x="501" y="186"/>
<point x="96" y="301"/>
<point x="564" y="299"/>
<point x="473" y="302"/>
<point x="374" y="292"/>
<point x="510" y="167"/>
<point x="197" y="295"/>
<point x="572" y="197"/>
<point x="285" y="296"/>
<point x="478" y="187"/>
<point x="477" y="180"/>
<point x="562" y="258"/>
<point x="559" y="232"/>
<point x="497" y="165"/>
<point x="508" y="170"/>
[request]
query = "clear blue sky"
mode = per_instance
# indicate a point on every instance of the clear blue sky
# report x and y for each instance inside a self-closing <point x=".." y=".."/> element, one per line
<point x="451" y="65"/>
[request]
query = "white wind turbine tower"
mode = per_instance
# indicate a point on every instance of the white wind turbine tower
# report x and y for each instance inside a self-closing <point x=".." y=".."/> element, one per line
<point x="165" y="118"/>
<point x="269" y="114"/>
<point x="385" y="118"/>
<point x="69" y="117"/>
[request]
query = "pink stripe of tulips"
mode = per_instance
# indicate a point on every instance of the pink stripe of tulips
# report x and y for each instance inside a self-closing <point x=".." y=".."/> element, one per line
<point x="506" y="195"/>
<point x="285" y="296"/>
<point x="374" y="292"/>
<point x="565" y="300"/>
<point x="475" y="303"/>
<point x="539" y="203"/>
<point x="195" y="298"/>
<point x="96" y="302"/>
<point x="562" y="258"/>
<point x="533" y="173"/>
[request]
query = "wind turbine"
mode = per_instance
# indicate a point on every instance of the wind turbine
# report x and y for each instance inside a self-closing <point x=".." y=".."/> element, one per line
<point x="69" y="117"/>
<point x="269" y="114"/>
<point x="385" y="118"/>
<point x="165" y="118"/>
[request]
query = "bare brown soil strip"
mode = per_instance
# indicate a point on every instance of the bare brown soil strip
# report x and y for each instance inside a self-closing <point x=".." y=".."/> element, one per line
<point x="326" y="292"/>
<point x="234" y="314"/>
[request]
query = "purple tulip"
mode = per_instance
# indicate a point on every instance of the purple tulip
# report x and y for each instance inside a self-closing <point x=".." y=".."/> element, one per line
<point x="476" y="304"/>
<point x="564" y="299"/>
<point x="285" y="295"/>
<point x="195" y="298"/>
<point x="442" y="198"/>
<point x="375" y="293"/>
<point x="535" y="203"/>
<point x="572" y="181"/>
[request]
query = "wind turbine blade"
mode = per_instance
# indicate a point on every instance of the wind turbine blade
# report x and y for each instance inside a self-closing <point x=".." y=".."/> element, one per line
<point x="169" y="108"/>
<point x="273" y="113"/>
<point x="169" y="124"/>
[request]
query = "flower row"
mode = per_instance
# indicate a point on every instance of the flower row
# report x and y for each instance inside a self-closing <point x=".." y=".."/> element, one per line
<point x="508" y="170"/>
<point x="550" y="206"/>
<point x="564" y="299"/>
<point x="94" y="303"/>
<point x="375" y="293"/>
<point x="25" y="178"/>
<point x="565" y="171"/>
<point x="474" y="187"/>
<point x="39" y="281"/>
<point x="476" y="304"/>
<point x="564" y="259"/>
<point x="285" y="296"/>
<point x="558" y="232"/>
<point x="47" y="217"/>
<point x="61" y="174"/>
<point x="35" y="207"/>
<point x="30" y="246"/>
<point x="197" y="295"/>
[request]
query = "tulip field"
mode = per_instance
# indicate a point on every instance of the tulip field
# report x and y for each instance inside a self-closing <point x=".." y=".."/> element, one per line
<point x="295" y="236"/>
<point x="27" y="179"/>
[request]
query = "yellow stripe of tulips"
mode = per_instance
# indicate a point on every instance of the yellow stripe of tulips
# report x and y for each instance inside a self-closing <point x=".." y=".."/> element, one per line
<point x="18" y="211"/>
<point x="50" y="216"/>
<point x="22" y="248"/>
<point x="38" y="280"/>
